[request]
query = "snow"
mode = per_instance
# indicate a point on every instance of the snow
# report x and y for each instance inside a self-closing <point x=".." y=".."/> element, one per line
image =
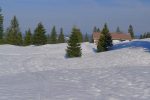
<point x="44" y="73"/>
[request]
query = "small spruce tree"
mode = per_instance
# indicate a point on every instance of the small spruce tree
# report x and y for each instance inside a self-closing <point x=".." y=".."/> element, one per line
<point x="28" y="38"/>
<point x="102" y="45"/>
<point x="39" y="37"/>
<point x="1" y="25"/>
<point x="53" y="36"/>
<point x="131" y="31"/>
<point x="105" y="40"/>
<point x="19" y="39"/>
<point x="74" y="46"/>
<point x="61" y="38"/>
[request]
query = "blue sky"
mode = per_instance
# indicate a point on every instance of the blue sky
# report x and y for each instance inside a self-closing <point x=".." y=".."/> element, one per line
<point x="83" y="13"/>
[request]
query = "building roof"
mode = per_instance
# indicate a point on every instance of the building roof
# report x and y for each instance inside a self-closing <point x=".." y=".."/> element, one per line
<point x="115" y="36"/>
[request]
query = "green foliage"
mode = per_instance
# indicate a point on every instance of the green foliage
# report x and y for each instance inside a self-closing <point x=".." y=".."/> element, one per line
<point x="53" y="36"/>
<point x="28" y="38"/>
<point x="130" y="30"/>
<point x="13" y="32"/>
<point x="102" y="45"/>
<point x="105" y="40"/>
<point x="79" y="34"/>
<point x="118" y="30"/>
<point x="39" y="37"/>
<point x="74" y="46"/>
<point x="86" y="39"/>
<point x="1" y="25"/>
<point x="61" y="38"/>
<point x="19" y="39"/>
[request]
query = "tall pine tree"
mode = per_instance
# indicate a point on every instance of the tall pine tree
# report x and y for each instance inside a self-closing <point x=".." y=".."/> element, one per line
<point x="39" y="37"/>
<point x="28" y="38"/>
<point x="1" y="25"/>
<point x="74" y="46"/>
<point x="13" y="32"/>
<point x="105" y="40"/>
<point x="131" y="31"/>
<point x="53" y="36"/>
<point x="61" y="38"/>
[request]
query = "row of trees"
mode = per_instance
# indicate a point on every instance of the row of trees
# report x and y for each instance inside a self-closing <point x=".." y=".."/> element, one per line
<point x="1" y="26"/>
<point x="14" y="36"/>
<point x="145" y="35"/>
<point x="130" y="30"/>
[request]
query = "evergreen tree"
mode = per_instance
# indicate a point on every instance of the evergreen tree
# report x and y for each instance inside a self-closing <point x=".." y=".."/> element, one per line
<point x="130" y="30"/>
<point x="107" y="35"/>
<point x="61" y="38"/>
<point x="118" y="30"/>
<point x="86" y="39"/>
<point x="13" y="31"/>
<point x="105" y="40"/>
<point x="91" y="39"/>
<point x="102" y="45"/>
<point x="1" y="25"/>
<point x="79" y="34"/>
<point x="28" y="38"/>
<point x="74" y="46"/>
<point x="39" y="37"/>
<point x="19" y="39"/>
<point x="94" y="29"/>
<point x="53" y="36"/>
<point x="98" y="30"/>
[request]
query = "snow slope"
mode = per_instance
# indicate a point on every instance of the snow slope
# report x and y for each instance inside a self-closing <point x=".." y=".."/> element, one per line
<point x="43" y="73"/>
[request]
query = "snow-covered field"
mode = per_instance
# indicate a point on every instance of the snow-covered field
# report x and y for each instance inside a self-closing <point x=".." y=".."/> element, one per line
<point x="43" y="73"/>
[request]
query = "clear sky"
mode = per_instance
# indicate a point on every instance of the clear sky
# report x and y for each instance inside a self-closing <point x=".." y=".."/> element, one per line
<point x="83" y="13"/>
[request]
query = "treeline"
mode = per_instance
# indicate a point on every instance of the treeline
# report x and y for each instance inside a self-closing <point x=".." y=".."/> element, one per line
<point x="13" y="35"/>
<point x="145" y="35"/>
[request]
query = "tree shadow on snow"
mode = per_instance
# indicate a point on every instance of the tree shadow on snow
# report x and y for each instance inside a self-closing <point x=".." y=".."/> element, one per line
<point x="94" y="50"/>
<point x="133" y="45"/>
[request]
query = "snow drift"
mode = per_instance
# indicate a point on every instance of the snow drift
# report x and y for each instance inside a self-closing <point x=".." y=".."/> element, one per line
<point x="43" y="73"/>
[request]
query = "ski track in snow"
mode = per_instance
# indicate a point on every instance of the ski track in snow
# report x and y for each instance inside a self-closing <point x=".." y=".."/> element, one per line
<point x="43" y="73"/>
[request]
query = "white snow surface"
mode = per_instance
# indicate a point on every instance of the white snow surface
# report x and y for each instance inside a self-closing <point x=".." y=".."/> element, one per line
<point x="44" y="73"/>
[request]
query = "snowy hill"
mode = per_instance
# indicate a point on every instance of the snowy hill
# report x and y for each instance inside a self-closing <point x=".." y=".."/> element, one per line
<point x="43" y="73"/>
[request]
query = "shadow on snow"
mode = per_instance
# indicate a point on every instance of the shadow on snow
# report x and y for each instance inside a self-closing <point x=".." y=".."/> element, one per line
<point x="134" y="44"/>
